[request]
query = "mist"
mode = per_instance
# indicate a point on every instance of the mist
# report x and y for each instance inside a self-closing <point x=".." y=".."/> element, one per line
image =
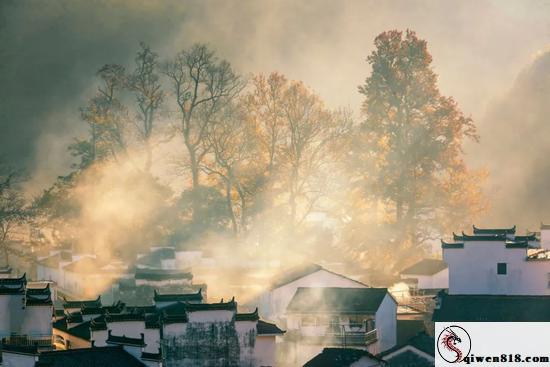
<point x="489" y="56"/>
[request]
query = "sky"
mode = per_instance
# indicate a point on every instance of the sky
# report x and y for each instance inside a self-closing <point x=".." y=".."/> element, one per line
<point x="50" y="51"/>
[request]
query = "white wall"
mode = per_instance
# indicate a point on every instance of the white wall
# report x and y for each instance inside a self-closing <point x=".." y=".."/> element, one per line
<point x="174" y="330"/>
<point x="473" y="270"/>
<point x="131" y="329"/>
<point x="152" y="339"/>
<point x="273" y="303"/>
<point x="37" y="321"/>
<point x="11" y="313"/>
<point x="386" y="324"/>
<point x="245" y="331"/>
<point x="545" y="238"/>
<point x="211" y="316"/>
<point x="264" y="350"/>
<point x="99" y="337"/>
<point x="10" y="359"/>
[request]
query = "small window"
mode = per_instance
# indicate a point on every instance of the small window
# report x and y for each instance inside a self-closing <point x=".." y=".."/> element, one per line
<point x="501" y="268"/>
<point x="548" y="280"/>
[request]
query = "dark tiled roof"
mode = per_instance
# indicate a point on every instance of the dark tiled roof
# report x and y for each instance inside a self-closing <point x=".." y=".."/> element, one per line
<point x="230" y="306"/>
<point x="124" y="340"/>
<point x="452" y="244"/>
<point x="81" y="331"/>
<point x="426" y="267"/>
<point x="13" y="285"/>
<point x="481" y="237"/>
<point x="175" y="313"/>
<point x="92" y="310"/>
<point x="74" y="317"/>
<point x="511" y="230"/>
<point x="82" y="303"/>
<point x="112" y="356"/>
<point x="252" y="316"/>
<point x="529" y="237"/>
<point x="99" y="323"/>
<point x="152" y="356"/>
<point x="337" y="300"/>
<point x="39" y="296"/>
<point x="267" y="328"/>
<point x="25" y="349"/>
<point x="159" y="274"/>
<point x="120" y="317"/>
<point x="339" y="357"/>
<point x="406" y="329"/>
<point x="465" y="308"/>
<point x="174" y="297"/>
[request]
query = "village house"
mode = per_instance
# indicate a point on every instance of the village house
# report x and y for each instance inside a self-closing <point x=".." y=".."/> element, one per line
<point x="498" y="262"/>
<point x="361" y="318"/>
<point x="25" y="312"/>
<point x="179" y="328"/>
<point x="273" y="303"/>
<point x="496" y="275"/>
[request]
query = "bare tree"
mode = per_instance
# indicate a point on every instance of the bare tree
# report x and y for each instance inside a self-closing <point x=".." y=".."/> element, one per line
<point x="106" y="115"/>
<point x="12" y="206"/>
<point x="202" y="85"/>
<point x="235" y="160"/>
<point x="145" y="84"/>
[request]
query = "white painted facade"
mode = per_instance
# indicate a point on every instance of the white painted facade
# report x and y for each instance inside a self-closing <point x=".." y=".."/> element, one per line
<point x="274" y="302"/>
<point x="312" y="339"/>
<point x="473" y="270"/>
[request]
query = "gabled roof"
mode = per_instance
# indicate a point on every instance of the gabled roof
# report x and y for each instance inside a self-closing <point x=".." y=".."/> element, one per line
<point x="267" y="328"/>
<point x="337" y="300"/>
<point x="228" y="306"/>
<point x="293" y="274"/>
<point x="492" y="308"/>
<point x="174" y="297"/>
<point x="81" y="331"/>
<point x="252" y="316"/>
<point x="111" y="356"/>
<point x="426" y="267"/>
<point x="339" y="357"/>
<point x="82" y="303"/>
<point x="13" y="285"/>
<point x="421" y="341"/>
<point x="511" y="230"/>
<point x="39" y="296"/>
<point x="175" y="313"/>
